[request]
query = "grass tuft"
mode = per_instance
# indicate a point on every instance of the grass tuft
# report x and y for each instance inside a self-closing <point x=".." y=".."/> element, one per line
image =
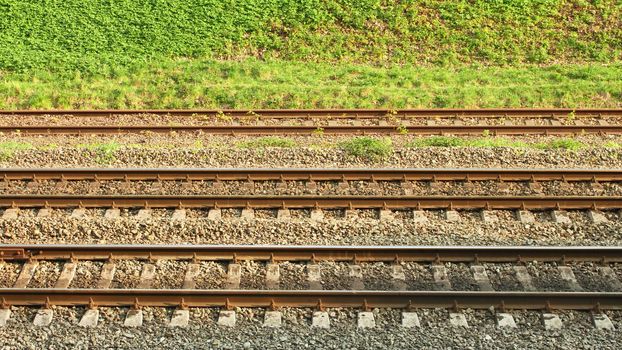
<point x="8" y="148"/>
<point x="368" y="147"/>
<point x="268" y="141"/>
<point x="105" y="152"/>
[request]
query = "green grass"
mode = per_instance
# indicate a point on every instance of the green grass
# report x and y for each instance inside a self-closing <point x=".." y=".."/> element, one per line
<point x="563" y="143"/>
<point x="454" y="141"/>
<point x="268" y="141"/>
<point x="105" y="152"/>
<point x="253" y="84"/>
<point x="8" y="148"/>
<point x="94" y="35"/>
<point x="368" y="147"/>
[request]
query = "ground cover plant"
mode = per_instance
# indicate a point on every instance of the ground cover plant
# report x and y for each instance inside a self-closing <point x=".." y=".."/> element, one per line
<point x="310" y="53"/>
<point x="368" y="147"/>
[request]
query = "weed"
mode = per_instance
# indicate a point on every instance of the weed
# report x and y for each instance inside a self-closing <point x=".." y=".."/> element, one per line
<point x="563" y="143"/>
<point x="368" y="147"/>
<point x="402" y="130"/>
<point x="438" y="141"/>
<point x="221" y="116"/>
<point x="571" y="116"/>
<point x="319" y="132"/>
<point x="611" y="144"/>
<point x="268" y="141"/>
<point x="7" y="149"/>
<point x="105" y="153"/>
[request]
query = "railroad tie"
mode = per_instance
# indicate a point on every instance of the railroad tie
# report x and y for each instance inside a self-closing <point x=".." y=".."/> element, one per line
<point x="192" y="271"/>
<point x="5" y="314"/>
<point x="234" y="273"/>
<point x="386" y="215"/>
<point x="320" y="319"/>
<point x="107" y="275"/>
<point x="419" y="216"/>
<point x="314" y="276"/>
<point x="179" y="214"/>
<point x="560" y="217"/>
<point x="247" y="214"/>
<point x="398" y="277"/>
<point x="147" y="276"/>
<point x="10" y="213"/>
<point x="611" y="277"/>
<point x="143" y="214"/>
<point x="524" y="278"/>
<point x="356" y="277"/>
<point x="78" y="213"/>
<point x="551" y="321"/>
<point x="489" y="216"/>
<point x="283" y="214"/>
<point x="452" y="215"/>
<point x="272" y="276"/>
<point x="28" y="270"/>
<point x="602" y="321"/>
<point x="44" y="213"/>
<point x="226" y="318"/>
<point x="458" y="319"/>
<point x="568" y="276"/>
<point x="525" y="216"/>
<point x="366" y="319"/>
<point x="66" y="275"/>
<point x="441" y="280"/>
<point x="43" y="317"/>
<point x="504" y="320"/>
<point x="272" y="319"/>
<point x="597" y="217"/>
<point x="317" y="214"/>
<point x="410" y="320"/>
<point x="112" y="213"/>
<point x="214" y="214"/>
<point x="481" y="277"/>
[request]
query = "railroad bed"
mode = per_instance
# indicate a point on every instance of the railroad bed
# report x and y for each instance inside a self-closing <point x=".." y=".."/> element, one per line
<point x="293" y="122"/>
<point x="563" y="292"/>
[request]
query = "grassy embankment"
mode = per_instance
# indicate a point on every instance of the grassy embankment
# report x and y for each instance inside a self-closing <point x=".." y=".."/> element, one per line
<point x="311" y="53"/>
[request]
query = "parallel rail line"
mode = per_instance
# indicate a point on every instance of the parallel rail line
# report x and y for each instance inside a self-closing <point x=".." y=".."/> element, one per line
<point x="311" y="298"/>
<point x="332" y="174"/>
<point x="328" y="129"/>
<point x="317" y="202"/>
<point x="455" y="254"/>
<point x="338" y="130"/>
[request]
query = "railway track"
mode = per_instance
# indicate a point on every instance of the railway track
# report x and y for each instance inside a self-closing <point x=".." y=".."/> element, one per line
<point x="313" y="202"/>
<point x="400" y="120"/>
<point x="330" y="174"/>
<point x="187" y="296"/>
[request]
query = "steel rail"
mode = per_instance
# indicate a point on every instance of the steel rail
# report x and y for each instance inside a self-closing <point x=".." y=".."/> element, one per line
<point x="195" y="174"/>
<point x="318" y="202"/>
<point x="437" y="254"/>
<point x="333" y="113"/>
<point x="309" y="130"/>
<point x="310" y="298"/>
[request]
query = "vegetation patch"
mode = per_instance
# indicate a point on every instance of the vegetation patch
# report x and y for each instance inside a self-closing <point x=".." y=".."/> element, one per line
<point x="253" y="84"/>
<point x="105" y="152"/>
<point x="368" y="147"/>
<point x="8" y="148"/>
<point x="454" y="141"/>
<point x="268" y="141"/>
<point x="563" y="143"/>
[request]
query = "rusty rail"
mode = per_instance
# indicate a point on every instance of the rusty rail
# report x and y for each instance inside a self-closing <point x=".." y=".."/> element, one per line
<point x="318" y="202"/>
<point x="325" y="114"/>
<point x="306" y="298"/>
<point x="337" y="130"/>
<point x="332" y="174"/>
<point x="427" y="254"/>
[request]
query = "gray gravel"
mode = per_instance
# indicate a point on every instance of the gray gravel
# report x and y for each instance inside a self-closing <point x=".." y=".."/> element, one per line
<point x="437" y="231"/>
<point x="296" y="332"/>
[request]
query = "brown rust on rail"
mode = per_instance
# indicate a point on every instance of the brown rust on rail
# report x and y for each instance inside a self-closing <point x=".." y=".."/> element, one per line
<point x="300" y="298"/>
<point x="320" y="202"/>
<point x="423" y="254"/>
<point x="337" y="130"/>
<point x="166" y="174"/>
